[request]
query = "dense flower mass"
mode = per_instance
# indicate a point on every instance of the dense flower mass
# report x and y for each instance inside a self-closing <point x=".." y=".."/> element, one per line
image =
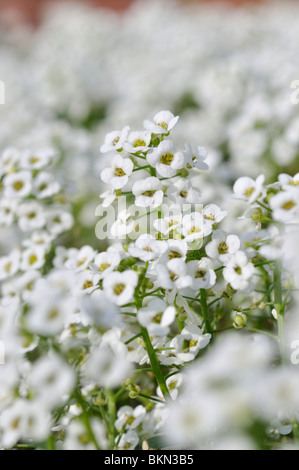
<point x="177" y="326"/>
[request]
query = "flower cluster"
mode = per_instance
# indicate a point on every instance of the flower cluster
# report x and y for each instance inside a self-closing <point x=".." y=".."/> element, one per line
<point x="178" y="326"/>
<point x="112" y="349"/>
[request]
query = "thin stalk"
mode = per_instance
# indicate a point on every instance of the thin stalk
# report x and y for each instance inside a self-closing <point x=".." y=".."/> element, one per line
<point x="156" y="369"/>
<point x="205" y="310"/>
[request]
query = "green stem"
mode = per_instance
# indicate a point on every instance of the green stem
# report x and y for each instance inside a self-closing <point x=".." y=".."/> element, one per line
<point x="156" y="369"/>
<point x="112" y="417"/>
<point x="279" y="306"/>
<point x="205" y="309"/>
<point x="50" y="442"/>
<point x="86" y="422"/>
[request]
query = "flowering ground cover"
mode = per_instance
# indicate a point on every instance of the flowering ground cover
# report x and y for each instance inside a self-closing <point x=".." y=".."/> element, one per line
<point x="149" y="211"/>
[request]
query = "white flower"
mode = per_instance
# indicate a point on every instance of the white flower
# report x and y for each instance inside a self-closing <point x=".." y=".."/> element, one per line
<point x="8" y="209"/>
<point x="33" y="258"/>
<point x="166" y="159"/>
<point x="31" y="216"/>
<point x="171" y="222"/>
<point x="187" y="344"/>
<point x="174" y="249"/>
<point x="173" y="384"/>
<point x="222" y="244"/>
<point x="157" y="317"/>
<point x="105" y="262"/>
<point x="182" y="192"/>
<point x="39" y="238"/>
<point x="51" y="379"/>
<point x="212" y="214"/>
<point x="108" y="366"/>
<point x="37" y="159"/>
<point x="196" y="156"/>
<point x="202" y="273"/>
<point x="108" y="197"/>
<point x="249" y="190"/>
<point x="59" y="221"/>
<point x="137" y="141"/>
<point x="148" y="192"/>
<point x="24" y="419"/>
<point x="101" y="311"/>
<point x="81" y="259"/>
<point x="77" y="438"/>
<point x="44" y="185"/>
<point x="147" y="248"/>
<point x="117" y="175"/>
<point x="173" y="275"/>
<point x="192" y="227"/>
<point x="85" y="283"/>
<point x="287" y="181"/>
<point x="120" y="287"/>
<point x="26" y="283"/>
<point x="238" y="270"/>
<point x="9" y="161"/>
<point x="114" y="140"/>
<point x="128" y="441"/>
<point x="9" y="265"/>
<point x="48" y="316"/>
<point x="124" y="224"/>
<point x="18" y="185"/>
<point x="129" y="418"/>
<point x="162" y="123"/>
<point x="285" y="205"/>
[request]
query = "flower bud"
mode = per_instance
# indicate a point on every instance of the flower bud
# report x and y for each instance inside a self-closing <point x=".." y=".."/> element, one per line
<point x="240" y="320"/>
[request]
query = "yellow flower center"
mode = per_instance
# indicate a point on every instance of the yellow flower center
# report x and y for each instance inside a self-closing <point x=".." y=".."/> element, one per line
<point x="119" y="288"/>
<point x="18" y="185"/>
<point x="287" y="206"/>
<point x="139" y="143"/>
<point x="248" y="192"/>
<point x="87" y="284"/>
<point x="119" y="172"/>
<point x="163" y="124"/>
<point x="148" y="193"/>
<point x="32" y="259"/>
<point x="222" y="248"/>
<point x="166" y="158"/>
<point x="104" y="266"/>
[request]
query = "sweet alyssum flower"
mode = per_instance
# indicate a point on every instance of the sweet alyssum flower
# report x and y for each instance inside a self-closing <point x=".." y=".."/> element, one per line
<point x="45" y="185"/>
<point x="114" y="140"/>
<point x="285" y="205"/>
<point x="192" y="227"/>
<point x="249" y="190"/>
<point x="129" y="418"/>
<point x="31" y="216"/>
<point x="221" y="244"/>
<point x="238" y="270"/>
<point x="8" y="209"/>
<point x="137" y="141"/>
<point x="120" y="287"/>
<point x="17" y="185"/>
<point x="196" y="156"/>
<point x="202" y="273"/>
<point x="165" y="159"/>
<point x="157" y="317"/>
<point x="118" y="174"/>
<point x="183" y="192"/>
<point x="173" y="274"/>
<point x="105" y="262"/>
<point x="147" y="248"/>
<point x="148" y="192"/>
<point x="9" y="265"/>
<point x="162" y="123"/>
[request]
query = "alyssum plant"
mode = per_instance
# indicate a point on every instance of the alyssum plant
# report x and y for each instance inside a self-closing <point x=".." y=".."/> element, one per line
<point x="119" y="349"/>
